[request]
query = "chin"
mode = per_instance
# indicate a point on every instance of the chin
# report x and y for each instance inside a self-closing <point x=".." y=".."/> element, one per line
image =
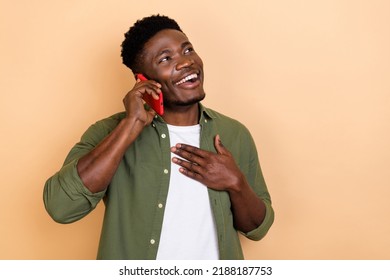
<point x="184" y="103"/>
<point x="189" y="102"/>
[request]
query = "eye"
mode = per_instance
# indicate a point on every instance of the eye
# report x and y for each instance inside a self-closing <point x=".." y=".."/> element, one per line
<point x="188" y="50"/>
<point x="164" y="59"/>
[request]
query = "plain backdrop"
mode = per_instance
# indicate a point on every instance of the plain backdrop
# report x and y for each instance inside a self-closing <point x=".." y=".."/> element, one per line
<point x="310" y="79"/>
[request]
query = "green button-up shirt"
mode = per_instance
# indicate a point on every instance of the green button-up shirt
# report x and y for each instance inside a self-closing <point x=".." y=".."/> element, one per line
<point x="136" y="197"/>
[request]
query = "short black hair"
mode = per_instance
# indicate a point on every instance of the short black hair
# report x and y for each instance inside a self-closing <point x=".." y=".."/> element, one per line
<point x="140" y="33"/>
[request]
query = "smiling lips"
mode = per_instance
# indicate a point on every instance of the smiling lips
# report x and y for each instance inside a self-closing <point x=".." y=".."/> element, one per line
<point x="187" y="78"/>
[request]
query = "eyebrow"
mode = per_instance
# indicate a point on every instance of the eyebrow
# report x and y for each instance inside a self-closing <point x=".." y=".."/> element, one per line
<point x="186" y="43"/>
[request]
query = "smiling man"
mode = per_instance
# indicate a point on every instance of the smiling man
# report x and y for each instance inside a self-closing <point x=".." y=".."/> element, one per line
<point x="176" y="186"/>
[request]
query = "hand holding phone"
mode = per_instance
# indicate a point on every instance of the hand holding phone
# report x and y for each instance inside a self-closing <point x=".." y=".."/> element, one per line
<point x="156" y="105"/>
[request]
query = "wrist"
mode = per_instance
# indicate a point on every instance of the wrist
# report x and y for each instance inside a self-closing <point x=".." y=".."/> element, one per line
<point x="130" y="128"/>
<point x="238" y="185"/>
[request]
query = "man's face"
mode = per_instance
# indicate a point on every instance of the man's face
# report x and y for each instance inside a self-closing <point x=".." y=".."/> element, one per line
<point x="170" y="59"/>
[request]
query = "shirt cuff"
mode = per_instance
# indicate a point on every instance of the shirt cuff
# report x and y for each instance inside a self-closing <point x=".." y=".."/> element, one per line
<point x="259" y="232"/>
<point x="74" y="186"/>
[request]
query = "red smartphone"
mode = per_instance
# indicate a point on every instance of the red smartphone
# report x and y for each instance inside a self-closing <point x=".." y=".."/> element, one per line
<point x="156" y="105"/>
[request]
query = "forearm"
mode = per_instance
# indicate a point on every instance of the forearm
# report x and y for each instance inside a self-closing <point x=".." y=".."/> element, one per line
<point x="97" y="168"/>
<point x="248" y="209"/>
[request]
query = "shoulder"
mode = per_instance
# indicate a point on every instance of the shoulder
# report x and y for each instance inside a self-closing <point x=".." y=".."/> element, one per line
<point x="234" y="135"/>
<point x="112" y="121"/>
<point x="100" y="129"/>
<point x="226" y="124"/>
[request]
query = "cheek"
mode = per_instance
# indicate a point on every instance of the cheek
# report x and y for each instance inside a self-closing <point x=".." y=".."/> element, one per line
<point x="198" y="60"/>
<point x="163" y="75"/>
<point x="168" y="90"/>
<point x="165" y="90"/>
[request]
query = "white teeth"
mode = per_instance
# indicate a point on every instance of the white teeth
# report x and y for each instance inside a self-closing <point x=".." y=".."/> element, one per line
<point x="189" y="77"/>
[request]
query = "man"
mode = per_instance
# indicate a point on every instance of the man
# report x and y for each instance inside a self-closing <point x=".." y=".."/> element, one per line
<point x="176" y="186"/>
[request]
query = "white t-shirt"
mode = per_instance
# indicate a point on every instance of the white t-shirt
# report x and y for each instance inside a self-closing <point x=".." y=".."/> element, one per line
<point x="188" y="231"/>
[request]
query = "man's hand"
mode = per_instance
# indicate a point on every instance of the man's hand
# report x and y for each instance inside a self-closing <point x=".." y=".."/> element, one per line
<point x="219" y="171"/>
<point x="97" y="167"/>
<point x="134" y="104"/>
<point x="215" y="170"/>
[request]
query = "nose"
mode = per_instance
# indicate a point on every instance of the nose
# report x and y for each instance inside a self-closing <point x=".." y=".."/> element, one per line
<point x="184" y="62"/>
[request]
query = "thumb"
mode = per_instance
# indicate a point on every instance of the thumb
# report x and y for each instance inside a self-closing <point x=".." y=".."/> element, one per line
<point x="219" y="146"/>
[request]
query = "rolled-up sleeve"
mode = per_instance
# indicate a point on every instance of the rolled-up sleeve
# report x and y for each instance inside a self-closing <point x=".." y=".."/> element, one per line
<point x="259" y="232"/>
<point x="254" y="175"/>
<point x="65" y="196"/>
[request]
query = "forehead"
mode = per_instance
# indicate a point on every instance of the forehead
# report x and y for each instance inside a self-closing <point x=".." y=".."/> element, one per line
<point x="164" y="39"/>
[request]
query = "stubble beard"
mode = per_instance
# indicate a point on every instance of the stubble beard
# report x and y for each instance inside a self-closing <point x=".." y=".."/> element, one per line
<point x="178" y="103"/>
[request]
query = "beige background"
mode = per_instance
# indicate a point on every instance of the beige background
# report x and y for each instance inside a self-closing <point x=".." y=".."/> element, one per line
<point x="310" y="79"/>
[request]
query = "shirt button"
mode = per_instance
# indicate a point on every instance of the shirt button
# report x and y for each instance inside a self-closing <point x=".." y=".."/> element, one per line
<point x="160" y="205"/>
<point x="153" y="125"/>
<point x="163" y="135"/>
<point x="152" y="241"/>
<point x="166" y="171"/>
<point x="205" y="121"/>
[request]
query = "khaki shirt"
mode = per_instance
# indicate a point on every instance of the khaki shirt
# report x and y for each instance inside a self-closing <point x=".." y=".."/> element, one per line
<point x="136" y="197"/>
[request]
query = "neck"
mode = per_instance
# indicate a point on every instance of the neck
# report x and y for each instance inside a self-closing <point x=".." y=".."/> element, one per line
<point x="185" y="117"/>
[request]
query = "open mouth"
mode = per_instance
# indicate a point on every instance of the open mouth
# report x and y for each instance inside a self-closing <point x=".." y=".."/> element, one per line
<point x="188" y="79"/>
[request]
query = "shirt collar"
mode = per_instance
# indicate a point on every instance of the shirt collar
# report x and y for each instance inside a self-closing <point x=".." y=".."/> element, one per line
<point x="206" y="112"/>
